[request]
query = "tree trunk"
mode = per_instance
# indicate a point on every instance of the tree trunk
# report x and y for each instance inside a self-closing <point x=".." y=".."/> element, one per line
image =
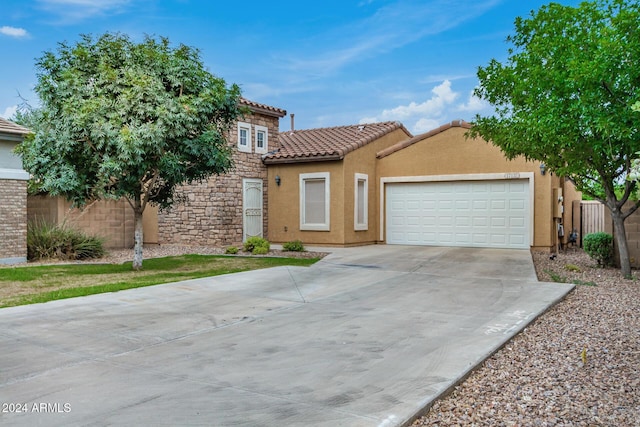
<point x="138" y="237"/>
<point x="621" y="240"/>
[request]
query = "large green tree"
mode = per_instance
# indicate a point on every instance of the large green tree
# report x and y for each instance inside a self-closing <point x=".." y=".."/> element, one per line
<point x="125" y="119"/>
<point x="563" y="97"/>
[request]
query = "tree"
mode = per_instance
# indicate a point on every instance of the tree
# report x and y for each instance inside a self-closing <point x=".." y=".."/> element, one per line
<point x="562" y="97"/>
<point x="124" y="119"/>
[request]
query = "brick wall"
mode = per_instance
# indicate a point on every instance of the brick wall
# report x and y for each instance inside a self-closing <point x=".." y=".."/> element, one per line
<point x="13" y="220"/>
<point x="211" y="213"/>
<point x="111" y="219"/>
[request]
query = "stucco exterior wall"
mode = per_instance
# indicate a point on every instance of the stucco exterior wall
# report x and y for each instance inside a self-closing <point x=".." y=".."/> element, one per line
<point x="284" y="200"/>
<point x="449" y="153"/>
<point x="284" y="203"/>
<point x="211" y="211"/>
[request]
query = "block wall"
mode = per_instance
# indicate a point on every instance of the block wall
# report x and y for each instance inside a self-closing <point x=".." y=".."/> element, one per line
<point x="13" y="220"/>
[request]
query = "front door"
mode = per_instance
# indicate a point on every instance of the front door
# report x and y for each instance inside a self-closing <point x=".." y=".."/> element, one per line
<point x="251" y="208"/>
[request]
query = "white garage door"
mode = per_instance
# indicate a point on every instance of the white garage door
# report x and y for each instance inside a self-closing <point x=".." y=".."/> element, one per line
<point x="493" y="214"/>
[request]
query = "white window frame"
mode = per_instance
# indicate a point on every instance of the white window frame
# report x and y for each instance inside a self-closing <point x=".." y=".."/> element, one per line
<point x="265" y="131"/>
<point x="246" y="147"/>
<point x="361" y="226"/>
<point x="327" y="200"/>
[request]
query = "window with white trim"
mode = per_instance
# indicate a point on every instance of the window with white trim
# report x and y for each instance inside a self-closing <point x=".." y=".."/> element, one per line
<point x="361" y="202"/>
<point x="314" y="201"/>
<point x="244" y="137"/>
<point x="261" y="139"/>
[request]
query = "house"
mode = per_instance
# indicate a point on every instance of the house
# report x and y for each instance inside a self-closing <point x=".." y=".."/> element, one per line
<point x="336" y="186"/>
<point x="221" y="211"/>
<point x="13" y="195"/>
<point x="226" y="210"/>
<point x="323" y="183"/>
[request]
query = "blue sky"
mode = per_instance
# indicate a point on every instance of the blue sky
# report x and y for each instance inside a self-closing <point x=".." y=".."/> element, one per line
<point x="330" y="62"/>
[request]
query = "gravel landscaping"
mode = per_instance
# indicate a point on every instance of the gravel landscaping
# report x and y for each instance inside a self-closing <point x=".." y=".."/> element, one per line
<point x="576" y="365"/>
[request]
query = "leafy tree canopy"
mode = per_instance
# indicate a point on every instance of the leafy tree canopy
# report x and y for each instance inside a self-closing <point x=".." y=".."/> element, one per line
<point x="121" y="119"/>
<point x="124" y="119"/>
<point x="563" y="95"/>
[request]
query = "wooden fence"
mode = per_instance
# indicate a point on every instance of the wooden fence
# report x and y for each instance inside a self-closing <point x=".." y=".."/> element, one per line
<point x="590" y="215"/>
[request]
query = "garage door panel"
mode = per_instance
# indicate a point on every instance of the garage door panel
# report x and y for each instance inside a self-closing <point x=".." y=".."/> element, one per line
<point x="470" y="213"/>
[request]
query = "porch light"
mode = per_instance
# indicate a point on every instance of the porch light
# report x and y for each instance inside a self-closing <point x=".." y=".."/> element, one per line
<point x="278" y="180"/>
<point x="543" y="169"/>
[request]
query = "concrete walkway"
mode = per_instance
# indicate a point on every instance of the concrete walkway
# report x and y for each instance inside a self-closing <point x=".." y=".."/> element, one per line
<point x="366" y="337"/>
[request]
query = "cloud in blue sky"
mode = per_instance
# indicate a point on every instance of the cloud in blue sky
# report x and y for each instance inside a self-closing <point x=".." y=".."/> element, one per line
<point x="70" y="11"/>
<point x="13" y="31"/>
<point x="331" y="63"/>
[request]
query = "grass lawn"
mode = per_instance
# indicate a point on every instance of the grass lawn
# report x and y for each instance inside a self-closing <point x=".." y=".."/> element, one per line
<point x="29" y="285"/>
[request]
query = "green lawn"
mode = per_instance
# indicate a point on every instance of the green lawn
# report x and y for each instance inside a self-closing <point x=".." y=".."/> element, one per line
<point x="29" y="285"/>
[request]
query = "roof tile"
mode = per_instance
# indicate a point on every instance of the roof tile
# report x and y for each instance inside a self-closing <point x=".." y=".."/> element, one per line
<point x="312" y="145"/>
<point x="263" y="108"/>
<point x="8" y="127"/>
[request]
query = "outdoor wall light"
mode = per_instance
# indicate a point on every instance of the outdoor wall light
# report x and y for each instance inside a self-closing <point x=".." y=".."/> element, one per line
<point x="278" y="180"/>
<point x="543" y="169"/>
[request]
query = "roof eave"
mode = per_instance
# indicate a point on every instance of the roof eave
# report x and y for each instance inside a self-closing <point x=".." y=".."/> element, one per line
<point x="305" y="159"/>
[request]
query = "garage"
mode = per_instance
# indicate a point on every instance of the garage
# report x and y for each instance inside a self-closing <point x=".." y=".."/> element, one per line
<point x="487" y="213"/>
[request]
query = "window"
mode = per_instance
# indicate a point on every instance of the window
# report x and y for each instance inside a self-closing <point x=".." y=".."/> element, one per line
<point x="361" y="202"/>
<point x="244" y="137"/>
<point x="314" y="201"/>
<point x="262" y="139"/>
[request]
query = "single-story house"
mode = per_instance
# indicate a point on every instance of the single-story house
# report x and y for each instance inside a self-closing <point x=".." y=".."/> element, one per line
<point x="13" y="195"/>
<point x="375" y="183"/>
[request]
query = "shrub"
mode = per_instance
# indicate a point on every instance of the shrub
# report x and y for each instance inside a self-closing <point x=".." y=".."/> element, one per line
<point x="599" y="246"/>
<point x="260" y="250"/>
<point x="295" y="246"/>
<point x="257" y="245"/>
<point x="231" y="250"/>
<point x="60" y="241"/>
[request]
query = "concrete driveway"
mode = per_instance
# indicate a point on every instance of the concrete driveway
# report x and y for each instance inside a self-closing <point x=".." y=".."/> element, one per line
<point x="367" y="337"/>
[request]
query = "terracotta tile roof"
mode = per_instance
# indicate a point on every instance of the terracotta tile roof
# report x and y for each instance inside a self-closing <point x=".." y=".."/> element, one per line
<point x="404" y="144"/>
<point x="263" y="108"/>
<point x="8" y="127"/>
<point x="315" y="145"/>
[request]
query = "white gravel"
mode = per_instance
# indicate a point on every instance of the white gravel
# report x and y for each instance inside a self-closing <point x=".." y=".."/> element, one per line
<point x="540" y="379"/>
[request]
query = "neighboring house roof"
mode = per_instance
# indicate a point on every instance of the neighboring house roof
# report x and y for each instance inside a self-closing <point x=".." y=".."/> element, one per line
<point x="263" y="108"/>
<point x="324" y="144"/>
<point x="7" y="127"/>
<point x="404" y="144"/>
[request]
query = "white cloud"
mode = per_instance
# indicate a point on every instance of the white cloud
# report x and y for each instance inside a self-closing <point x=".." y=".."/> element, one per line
<point x="390" y="27"/>
<point x="13" y="31"/>
<point x="421" y="116"/>
<point x="473" y="104"/>
<point x="9" y="112"/>
<point x="76" y="10"/>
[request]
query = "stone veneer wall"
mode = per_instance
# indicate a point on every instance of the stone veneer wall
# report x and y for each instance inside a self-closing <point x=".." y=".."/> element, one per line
<point x="13" y="220"/>
<point x="211" y="214"/>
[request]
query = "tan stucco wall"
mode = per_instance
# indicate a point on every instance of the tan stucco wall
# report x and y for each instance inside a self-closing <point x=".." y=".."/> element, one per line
<point x="449" y="153"/>
<point x="111" y="219"/>
<point x="284" y="201"/>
